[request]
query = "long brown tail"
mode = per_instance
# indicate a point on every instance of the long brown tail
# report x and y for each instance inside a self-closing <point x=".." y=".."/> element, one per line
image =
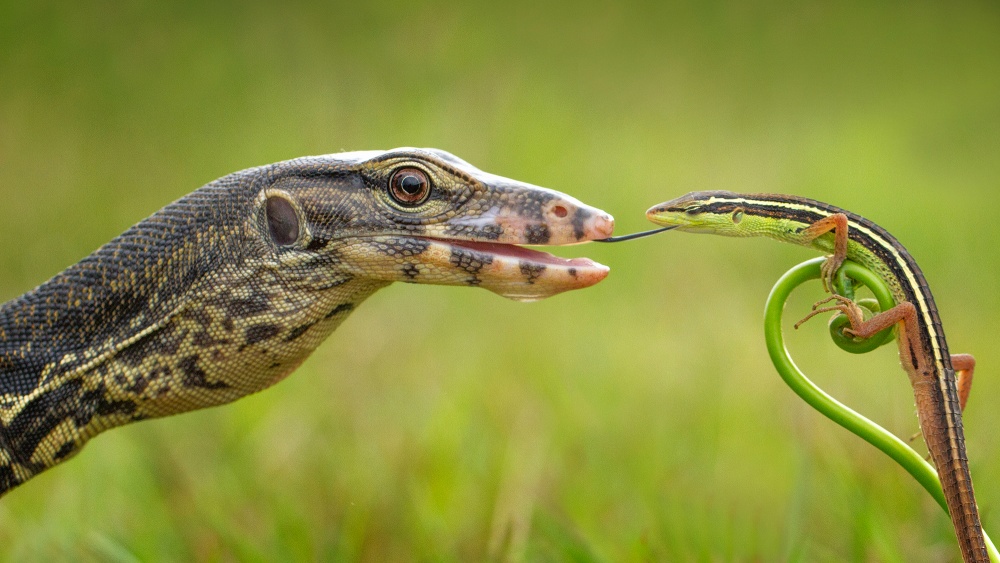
<point x="941" y="424"/>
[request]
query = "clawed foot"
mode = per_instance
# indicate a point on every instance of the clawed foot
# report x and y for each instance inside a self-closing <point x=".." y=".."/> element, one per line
<point x="844" y="305"/>
<point x="828" y="271"/>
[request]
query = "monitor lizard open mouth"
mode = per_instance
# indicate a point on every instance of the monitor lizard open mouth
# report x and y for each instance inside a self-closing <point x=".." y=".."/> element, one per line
<point x="520" y="252"/>
<point x="510" y="270"/>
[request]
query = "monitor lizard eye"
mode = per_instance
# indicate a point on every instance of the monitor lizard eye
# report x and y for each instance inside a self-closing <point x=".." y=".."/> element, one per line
<point x="409" y="187"/>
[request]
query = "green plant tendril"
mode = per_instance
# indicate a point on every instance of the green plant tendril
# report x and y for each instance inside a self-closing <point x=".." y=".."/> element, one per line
<point x="836" y="411"/>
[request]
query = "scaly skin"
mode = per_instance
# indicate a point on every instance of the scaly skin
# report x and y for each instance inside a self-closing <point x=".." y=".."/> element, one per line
<point x="922" y="346"/>
<point x="227" y="290"/>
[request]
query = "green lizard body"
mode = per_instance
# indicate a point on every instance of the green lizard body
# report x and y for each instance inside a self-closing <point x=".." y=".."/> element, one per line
<point x="923" y="349"/>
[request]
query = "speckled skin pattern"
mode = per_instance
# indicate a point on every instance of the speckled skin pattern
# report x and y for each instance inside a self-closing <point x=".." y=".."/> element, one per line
<point x="227" y="290"/>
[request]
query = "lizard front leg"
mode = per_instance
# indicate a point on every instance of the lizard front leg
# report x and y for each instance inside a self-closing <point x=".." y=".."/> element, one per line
<point x="839" y="225"/>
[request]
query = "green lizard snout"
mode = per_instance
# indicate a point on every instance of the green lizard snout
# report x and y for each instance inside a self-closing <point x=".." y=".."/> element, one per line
<point x="714" y="212"/>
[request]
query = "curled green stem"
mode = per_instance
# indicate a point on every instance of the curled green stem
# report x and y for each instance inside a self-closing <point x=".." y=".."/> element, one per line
<point x="833" y="409"/>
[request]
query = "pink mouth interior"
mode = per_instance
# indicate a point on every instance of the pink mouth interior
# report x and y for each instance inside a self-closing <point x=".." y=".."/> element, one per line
<point x="521" y="253"/>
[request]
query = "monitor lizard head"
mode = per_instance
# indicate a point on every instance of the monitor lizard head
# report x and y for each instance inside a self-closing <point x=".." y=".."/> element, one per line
<point x="426" y="216"/>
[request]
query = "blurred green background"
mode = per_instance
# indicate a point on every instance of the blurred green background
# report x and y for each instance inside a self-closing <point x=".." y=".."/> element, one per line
<point x="639" y="419"/>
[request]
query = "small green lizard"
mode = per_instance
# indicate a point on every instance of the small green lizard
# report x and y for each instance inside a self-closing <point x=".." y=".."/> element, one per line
<point x="940" y="395"/>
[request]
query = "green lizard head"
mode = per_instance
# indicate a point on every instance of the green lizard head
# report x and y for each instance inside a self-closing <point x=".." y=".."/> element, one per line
<point x="426" y="216"/>
<point x="718" y="213"/>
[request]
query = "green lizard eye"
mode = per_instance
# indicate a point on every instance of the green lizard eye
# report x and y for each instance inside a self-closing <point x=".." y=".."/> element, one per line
<point x="409" y="187"/>
<point x="738" y="215"/>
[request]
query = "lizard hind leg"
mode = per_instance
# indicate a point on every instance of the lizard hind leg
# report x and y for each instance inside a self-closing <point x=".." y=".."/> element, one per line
<point x="862" y="328"/>
<point x="844" y="305"/>
<point x="964" y="366"/>
<point x="904" y="312"/>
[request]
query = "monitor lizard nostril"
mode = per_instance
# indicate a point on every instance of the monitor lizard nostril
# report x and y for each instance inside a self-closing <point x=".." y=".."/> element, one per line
<point x="603" y="226"/>
<point x="559" y="211"/>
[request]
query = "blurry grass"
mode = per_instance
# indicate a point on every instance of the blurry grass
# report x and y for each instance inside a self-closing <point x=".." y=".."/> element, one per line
<point x="639" y="419"/>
